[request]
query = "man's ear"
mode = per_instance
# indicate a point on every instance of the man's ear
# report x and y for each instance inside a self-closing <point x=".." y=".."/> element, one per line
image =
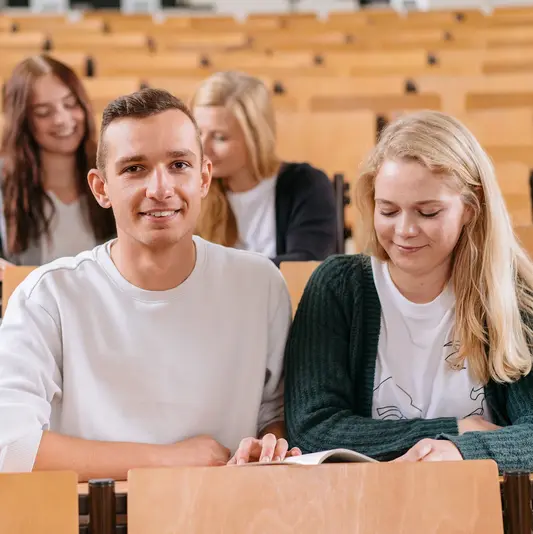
<point x="207" y="170"/>
<point x="98" y="186"/>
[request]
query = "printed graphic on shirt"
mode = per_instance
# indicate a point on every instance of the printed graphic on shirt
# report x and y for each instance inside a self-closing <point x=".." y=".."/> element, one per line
<point x="394" y="412"/>
<point x="454" y="346"/>
<point x="478" y="395"/>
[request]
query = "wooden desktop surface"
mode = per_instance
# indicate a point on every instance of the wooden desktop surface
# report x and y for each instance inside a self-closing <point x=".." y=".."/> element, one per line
<point x="122" y="486"/>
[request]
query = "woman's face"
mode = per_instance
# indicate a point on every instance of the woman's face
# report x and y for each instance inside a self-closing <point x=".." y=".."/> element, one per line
<point x="418" y="217"/>
<point x="56" y="117"/>
<point x="223" y="140"/>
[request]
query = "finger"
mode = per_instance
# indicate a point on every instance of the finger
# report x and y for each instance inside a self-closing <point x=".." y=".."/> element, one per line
<point x="227" y="454"/>
<point x="417" y="452"/>
<point x="281" y="450"/>
<point x="233" y="460"/>
<point x="246" y="450"/>
<point x="295" y="451"/>
<point x="269" y="442"/>
<point x="433" y="456"/>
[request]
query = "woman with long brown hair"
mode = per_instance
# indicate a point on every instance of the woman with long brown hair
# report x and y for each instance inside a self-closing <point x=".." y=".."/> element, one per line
<point x="283" y="210"/>
<point x="48" y="146"/>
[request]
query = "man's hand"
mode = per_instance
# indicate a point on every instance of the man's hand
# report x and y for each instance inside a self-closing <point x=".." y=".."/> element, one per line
<point x="266" y="449"/>
<point x="200" y="451"/>
<point x="431" y="450"/>
<point x="475" y="423"/>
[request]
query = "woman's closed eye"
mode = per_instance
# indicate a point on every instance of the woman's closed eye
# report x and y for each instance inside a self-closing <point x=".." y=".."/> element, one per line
<point x="388" y="213"/>
<point x="430" y="215"/>
<point x="426" y="215"/>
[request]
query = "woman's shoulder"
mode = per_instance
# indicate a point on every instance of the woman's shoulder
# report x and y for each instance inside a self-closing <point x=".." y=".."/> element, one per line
<point x="344" y="273"/>
<point x="294" y="174"/>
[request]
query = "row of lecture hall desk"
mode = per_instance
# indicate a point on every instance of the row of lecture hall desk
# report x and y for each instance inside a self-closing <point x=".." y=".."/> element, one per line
<point x="423" y="498"/>
<point x="335" y="83"/>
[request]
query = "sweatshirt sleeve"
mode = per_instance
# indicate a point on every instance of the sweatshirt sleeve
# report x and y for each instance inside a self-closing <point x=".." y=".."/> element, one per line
<point x="326" y="349"/>
<point x="280" y="316"/>
<point x="511" y="447"/>
<point x="311" y="227"/>
<point x="30" y="377"/>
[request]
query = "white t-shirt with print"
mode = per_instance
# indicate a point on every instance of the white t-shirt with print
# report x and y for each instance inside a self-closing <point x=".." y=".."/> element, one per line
<point x="413" y="378"/>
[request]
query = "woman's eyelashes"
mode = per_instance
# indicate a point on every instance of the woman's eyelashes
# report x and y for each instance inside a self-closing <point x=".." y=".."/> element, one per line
<point x="395" y="212"/>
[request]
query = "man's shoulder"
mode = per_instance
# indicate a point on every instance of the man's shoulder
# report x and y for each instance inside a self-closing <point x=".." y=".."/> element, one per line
<point x="59" y="271"/>
<point x="239" y="262"/>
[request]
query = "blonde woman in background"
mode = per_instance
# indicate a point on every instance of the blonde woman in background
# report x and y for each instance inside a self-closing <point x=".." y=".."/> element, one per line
<point x="420" y="351"/>
<point x="285" y="211"/>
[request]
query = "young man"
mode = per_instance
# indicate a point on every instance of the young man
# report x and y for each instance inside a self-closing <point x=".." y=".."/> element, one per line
<point x="155" y="349"/>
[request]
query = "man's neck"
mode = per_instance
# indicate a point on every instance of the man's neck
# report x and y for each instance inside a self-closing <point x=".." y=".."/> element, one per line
<point x="59" y="172"/>
<point x="154" y="270"/>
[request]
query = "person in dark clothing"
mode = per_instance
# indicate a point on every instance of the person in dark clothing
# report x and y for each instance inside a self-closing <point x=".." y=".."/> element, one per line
<point x="283" y="210"/>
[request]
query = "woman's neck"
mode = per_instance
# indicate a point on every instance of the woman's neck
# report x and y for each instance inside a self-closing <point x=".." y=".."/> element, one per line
<point x="59" y="175"/>
<point x="421" y="288"/>
<point x="241" y="182"/>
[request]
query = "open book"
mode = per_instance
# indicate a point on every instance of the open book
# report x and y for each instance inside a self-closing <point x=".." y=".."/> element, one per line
<point x="323" y="457"/>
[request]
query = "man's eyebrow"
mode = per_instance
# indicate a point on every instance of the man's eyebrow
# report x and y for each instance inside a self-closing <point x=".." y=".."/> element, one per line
<point x="135" y="158"/>
<point x="184" y="153"/>
<point x="173" y="154"/>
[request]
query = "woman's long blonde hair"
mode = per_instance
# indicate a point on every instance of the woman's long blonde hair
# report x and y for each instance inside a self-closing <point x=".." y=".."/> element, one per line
<point x="492" y="276"/>
<point x="250" y="102"/>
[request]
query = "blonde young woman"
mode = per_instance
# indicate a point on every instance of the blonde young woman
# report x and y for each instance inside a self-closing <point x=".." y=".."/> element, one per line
<point x="285" y="211"/>
<point x="420" y="351"/>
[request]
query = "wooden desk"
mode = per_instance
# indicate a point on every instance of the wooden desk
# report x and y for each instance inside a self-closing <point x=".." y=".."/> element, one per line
<point x="121" y="487"/>
<point x="514" y="513"/>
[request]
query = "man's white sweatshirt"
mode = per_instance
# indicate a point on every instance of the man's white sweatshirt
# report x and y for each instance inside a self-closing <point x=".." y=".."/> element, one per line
<point x="85" y="353"/>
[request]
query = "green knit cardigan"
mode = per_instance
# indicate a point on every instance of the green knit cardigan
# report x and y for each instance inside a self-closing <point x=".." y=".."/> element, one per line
<point x="330" y="363"/>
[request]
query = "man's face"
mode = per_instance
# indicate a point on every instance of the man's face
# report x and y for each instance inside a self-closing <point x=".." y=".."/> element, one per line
<point x="155" y="178"/>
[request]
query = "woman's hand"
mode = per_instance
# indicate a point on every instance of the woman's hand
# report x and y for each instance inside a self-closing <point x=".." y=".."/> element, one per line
<point x="432" y="450"/>
<point x="266" y="449"/>
<point x="475" y="423"/>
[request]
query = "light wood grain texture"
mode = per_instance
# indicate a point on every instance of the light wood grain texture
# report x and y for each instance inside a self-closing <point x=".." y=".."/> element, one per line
<point x="424" y="498"/>
<point x="381" y="104"/>
<point x="297" y="274"/>
<point x="525" y="236"/>
<point x="501" y="127"/>
<point x="39" y="503"/>
<point x="13" y="276"/>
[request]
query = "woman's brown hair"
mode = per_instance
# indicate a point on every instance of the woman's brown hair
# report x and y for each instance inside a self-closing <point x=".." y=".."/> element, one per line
<point x="250" y="101"/>
<point x="23" y="192"/>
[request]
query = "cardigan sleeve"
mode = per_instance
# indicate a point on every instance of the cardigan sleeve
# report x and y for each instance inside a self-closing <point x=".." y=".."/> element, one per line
<point x="322" y="409"/>
<point x="311" y="231"/>
<point x="510" y="447"/>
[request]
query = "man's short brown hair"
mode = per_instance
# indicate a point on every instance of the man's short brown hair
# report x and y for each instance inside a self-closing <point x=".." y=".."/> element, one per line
<point x="140" y="105"/>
